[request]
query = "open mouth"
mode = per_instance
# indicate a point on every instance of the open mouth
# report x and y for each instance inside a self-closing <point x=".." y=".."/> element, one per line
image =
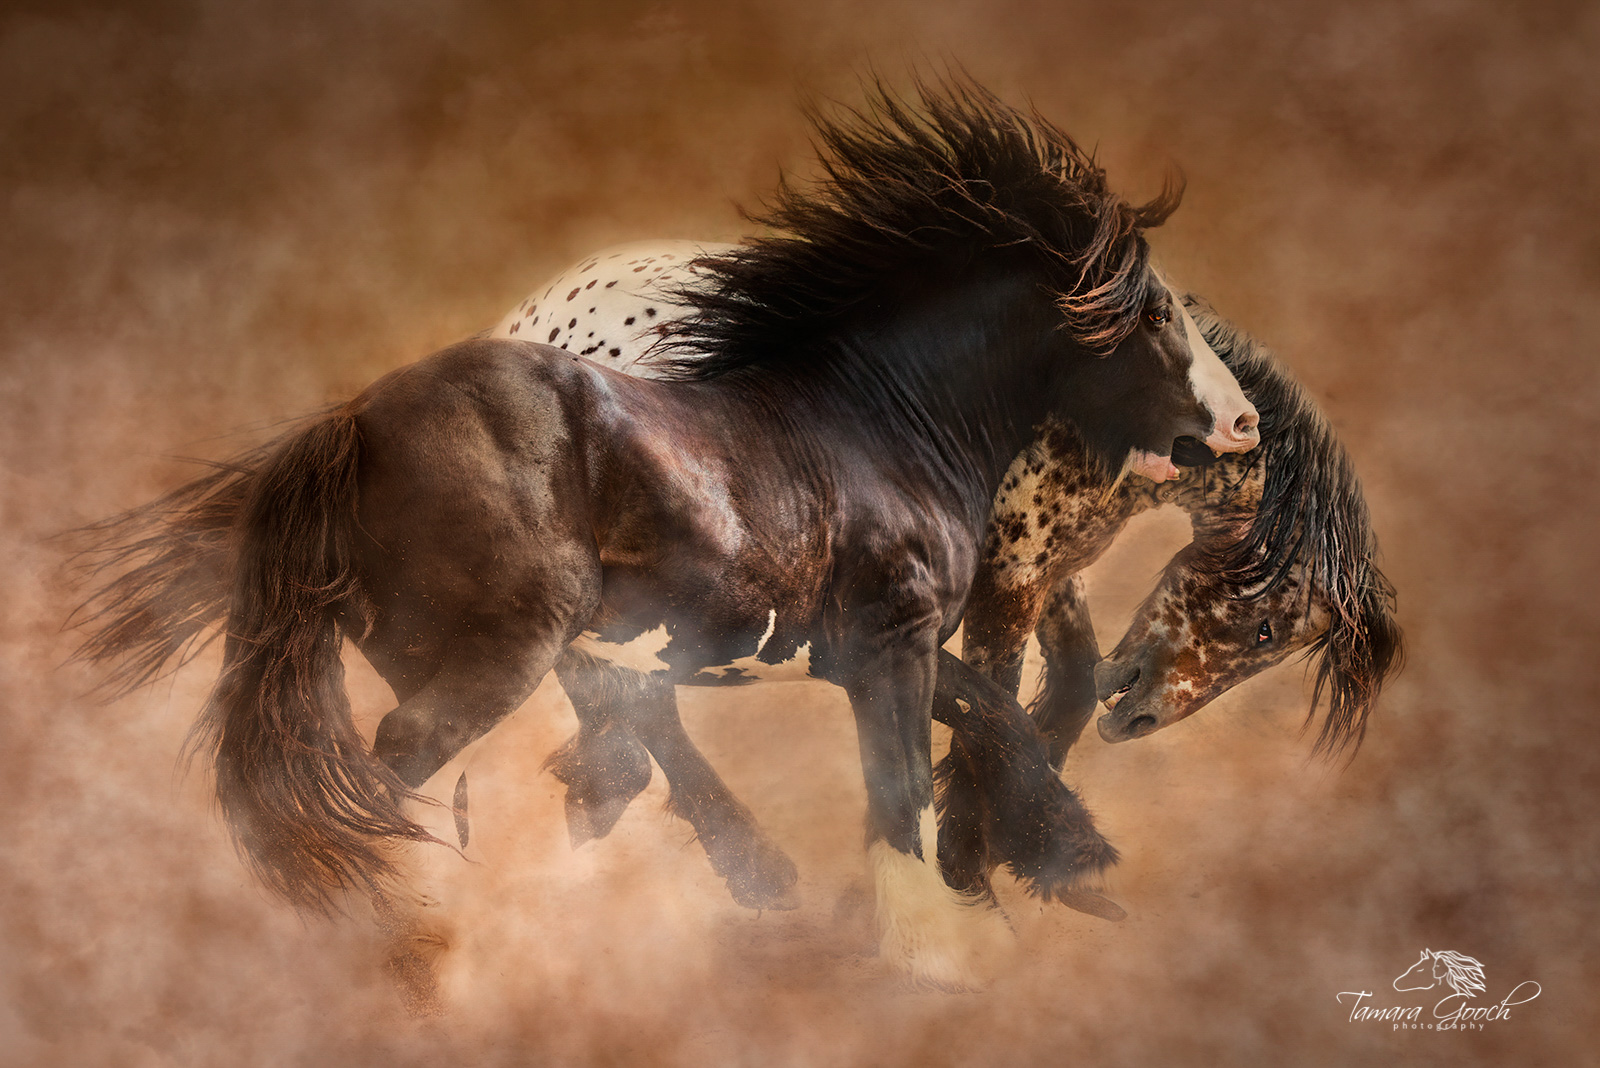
<point x="1117" y="695"/>
<point x="1192" y="452"/>
<point x="1185" y="452"/>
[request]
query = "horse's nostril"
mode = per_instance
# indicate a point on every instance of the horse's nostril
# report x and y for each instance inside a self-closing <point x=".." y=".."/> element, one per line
<point x="1140" y="725"/>
<point x="1246" y="423"/>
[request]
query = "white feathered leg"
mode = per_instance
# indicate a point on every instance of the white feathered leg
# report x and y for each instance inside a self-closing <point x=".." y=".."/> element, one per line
<point x="927" y="931"/>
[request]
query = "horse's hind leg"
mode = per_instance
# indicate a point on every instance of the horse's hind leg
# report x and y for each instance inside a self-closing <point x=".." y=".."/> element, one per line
<point x="758" y="873"/>
<point x="604" y="766"/>
<point x="459" y="666"/>
<point x="421" y="739"/>
<point x="479" y="683"/>
<point x="478" y="686"/>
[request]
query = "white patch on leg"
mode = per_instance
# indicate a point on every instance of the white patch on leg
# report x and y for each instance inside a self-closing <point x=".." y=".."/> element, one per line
<point x="926" y="930"/>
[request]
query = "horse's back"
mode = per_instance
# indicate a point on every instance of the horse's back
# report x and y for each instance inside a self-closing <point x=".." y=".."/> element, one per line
<point x="479" y="403"/>
<point x="607" y="306"/>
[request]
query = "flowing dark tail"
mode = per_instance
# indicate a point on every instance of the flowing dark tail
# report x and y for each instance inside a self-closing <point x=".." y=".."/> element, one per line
<point x="310" y="806"/>
<point x="268" y="539"/>
<point x="170" y="562"/>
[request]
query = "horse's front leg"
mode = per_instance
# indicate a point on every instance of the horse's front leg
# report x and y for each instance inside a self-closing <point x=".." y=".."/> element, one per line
<point x="928" y="931"/>
<point x="1002" y="802"/>
<point x="1000" y="614"/>
<point x="1066" y="638"/>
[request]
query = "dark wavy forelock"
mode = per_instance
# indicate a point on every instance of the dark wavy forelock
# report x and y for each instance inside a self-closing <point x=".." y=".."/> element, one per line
<point x="907" y="188"/>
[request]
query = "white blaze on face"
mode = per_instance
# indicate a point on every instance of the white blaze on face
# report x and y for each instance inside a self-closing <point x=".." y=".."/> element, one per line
<point x="1233" y="429"/>
<point x="1234" y="419"/>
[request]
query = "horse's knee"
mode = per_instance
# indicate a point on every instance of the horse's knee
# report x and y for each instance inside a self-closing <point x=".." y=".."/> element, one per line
<point x="478" y="685"/>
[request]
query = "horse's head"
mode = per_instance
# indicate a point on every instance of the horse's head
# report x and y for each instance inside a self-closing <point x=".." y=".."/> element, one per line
<point x="1199" y="634"/>
<point x="1160" y="382"/>
<point x="1420" y="976"/>
<point x="1284" y="561"/>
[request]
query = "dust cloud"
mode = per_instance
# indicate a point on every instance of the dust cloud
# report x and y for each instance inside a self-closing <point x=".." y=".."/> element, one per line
<point x="221" y="214"/>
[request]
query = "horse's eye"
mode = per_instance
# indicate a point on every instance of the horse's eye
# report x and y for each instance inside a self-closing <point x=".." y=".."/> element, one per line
<point x="1264" y="633"/>
<point x="1156" y="318"/>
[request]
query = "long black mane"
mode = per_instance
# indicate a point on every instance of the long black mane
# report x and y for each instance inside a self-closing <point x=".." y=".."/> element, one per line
<point x="912" y="192"/>
<point x="1312" y="512"/>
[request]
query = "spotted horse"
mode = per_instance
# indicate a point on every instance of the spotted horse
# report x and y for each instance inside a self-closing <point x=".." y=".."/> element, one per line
<point x="807" y="486"/>
<point x="1283" y="561"/>
<point x="1239" y="599"/>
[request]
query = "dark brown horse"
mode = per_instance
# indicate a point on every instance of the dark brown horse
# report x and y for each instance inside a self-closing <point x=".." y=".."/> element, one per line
<point x="810" y="490"/>
<point x="1226" y="609"/>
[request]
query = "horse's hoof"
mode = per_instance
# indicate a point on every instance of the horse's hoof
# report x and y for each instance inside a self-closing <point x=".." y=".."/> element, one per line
<point x="766" y="880"/>
<point x="1087" y="901"/>
<point x="588" y="819"/>
<point x="416" y="984"/>
<point x="578" y="827"/>
<point x="603" y="774"/>
<point x="961" y="958"/>
<point x="766" y="899"/>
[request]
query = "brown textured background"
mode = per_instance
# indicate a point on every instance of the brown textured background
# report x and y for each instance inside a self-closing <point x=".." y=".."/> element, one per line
<point x="221" y="214"/>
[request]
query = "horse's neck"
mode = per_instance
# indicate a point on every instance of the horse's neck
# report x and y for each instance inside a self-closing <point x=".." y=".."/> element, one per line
<point x="953" y="383"/>
<point x="1221" y="499"/>
<point x="1058" y="484"/>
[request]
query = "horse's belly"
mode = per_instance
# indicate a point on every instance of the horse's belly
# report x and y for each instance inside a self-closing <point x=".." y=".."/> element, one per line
<point x="748" y="669"/>
<point x="651" y="653"/>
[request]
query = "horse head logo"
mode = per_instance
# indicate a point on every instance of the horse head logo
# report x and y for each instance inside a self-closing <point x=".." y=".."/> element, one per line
<point x="1460" y="973"/>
